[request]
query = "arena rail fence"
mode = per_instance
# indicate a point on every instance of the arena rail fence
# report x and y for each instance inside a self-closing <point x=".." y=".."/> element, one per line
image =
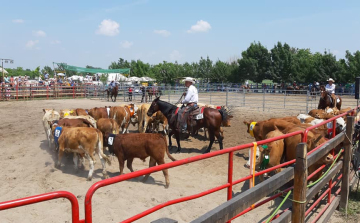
<point x="246" y="201"/>
<point x="262" y="99"/>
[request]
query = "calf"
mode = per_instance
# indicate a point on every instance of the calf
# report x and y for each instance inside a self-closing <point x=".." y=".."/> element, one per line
<point x="49" y="116"/>
<point x="80" y="122"/>
<point x="314" y="140"/>
<point x="80" y="111"/>
<point x="122" y="116"/>
<point x="67" y="112"/>
<point x="83" y="141"/>
<point x="274" y="151"/>
<point x="90" y="119"/>
<point x="98" y="113"/>
<point x="139" y="145"/>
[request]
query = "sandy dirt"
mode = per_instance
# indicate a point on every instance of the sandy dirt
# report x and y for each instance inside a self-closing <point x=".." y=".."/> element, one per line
<point x="27" y="166"/>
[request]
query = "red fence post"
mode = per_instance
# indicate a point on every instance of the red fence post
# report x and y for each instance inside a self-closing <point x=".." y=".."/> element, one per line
<point x="17" y="91"/>
<point x="45" y="197"/>
<point x="73" y="91"/>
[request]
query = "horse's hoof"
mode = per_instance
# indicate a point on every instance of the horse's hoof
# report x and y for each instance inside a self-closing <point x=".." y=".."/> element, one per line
<point x="206" y="151"/>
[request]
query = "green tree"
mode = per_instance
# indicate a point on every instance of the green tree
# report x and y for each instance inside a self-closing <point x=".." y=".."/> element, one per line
<point x="353" y="65"/>
<point x="282" y="62"/>
<point x="220" y="72"/>
<point x="255" y="63"/>
<point x="48" y="70"/>
<point x="204" y="69"/>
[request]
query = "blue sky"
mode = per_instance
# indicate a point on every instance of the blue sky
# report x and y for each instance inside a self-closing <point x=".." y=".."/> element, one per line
<point x="37" y="33"/>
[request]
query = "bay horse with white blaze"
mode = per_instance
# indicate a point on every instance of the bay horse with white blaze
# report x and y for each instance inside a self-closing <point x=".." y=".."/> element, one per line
<point x="212" y="119"/>
<point x="326" y="100"/>
<point x="112" y="93"/>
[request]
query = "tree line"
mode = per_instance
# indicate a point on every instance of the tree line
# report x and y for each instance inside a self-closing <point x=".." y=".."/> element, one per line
<point x="282" y="63"/>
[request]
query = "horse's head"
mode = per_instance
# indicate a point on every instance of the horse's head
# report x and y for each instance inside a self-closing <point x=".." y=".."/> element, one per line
<point x="154" y="107"/>
<point x="323" y="93"/>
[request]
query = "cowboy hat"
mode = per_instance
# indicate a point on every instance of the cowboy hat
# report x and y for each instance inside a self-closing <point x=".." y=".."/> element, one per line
<point x="189" y="79"/>
<point x="330" y="79"/>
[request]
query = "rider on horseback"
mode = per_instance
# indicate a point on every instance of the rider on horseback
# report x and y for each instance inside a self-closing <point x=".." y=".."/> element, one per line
<point x="330" y="89"/>
<point x="111" y="85"/>
<point x="191" y="100"/>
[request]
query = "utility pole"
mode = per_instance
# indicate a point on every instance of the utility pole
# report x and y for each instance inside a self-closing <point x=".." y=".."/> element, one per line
<point x="2" y="65"/>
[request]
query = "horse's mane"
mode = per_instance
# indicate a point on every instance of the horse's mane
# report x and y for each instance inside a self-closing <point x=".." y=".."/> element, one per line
<point x="169" y="106"/>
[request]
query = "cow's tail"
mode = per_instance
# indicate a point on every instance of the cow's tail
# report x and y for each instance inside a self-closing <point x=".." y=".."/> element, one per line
<point x="100" y="148"/>
<point x="167" y="149"/>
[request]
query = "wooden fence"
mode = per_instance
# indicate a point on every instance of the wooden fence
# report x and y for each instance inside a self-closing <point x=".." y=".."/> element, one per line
<point x="302" y="195"/>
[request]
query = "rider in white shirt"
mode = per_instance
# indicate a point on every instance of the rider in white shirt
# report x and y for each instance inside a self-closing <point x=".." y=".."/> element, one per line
<point x="191" y="100"/>
<point x="330" y="89"/>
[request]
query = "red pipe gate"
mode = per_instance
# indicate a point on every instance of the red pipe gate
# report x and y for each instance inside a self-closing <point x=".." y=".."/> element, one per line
<point x="88" y="199"/>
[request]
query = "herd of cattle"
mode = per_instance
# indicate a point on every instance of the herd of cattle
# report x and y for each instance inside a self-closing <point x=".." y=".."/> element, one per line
<point x="86" y="132"/>
<point x="284" y="150"/>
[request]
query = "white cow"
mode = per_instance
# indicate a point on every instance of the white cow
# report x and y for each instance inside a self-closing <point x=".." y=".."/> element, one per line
<point x="247" y="164"/>
<point x="49" y="116"/>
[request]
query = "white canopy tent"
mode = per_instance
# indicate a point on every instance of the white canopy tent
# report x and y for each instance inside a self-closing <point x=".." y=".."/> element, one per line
<point x="1" y="70"/>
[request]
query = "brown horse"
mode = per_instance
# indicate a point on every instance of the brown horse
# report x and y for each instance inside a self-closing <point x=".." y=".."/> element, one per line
<point x="325" y="100"/>
<point x="211" y="120"/>
<point x="113" y="93"/>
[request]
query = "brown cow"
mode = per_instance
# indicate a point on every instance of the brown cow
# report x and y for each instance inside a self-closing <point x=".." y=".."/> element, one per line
<point x="143" y="118"/>
<point x="275" y="152"/>
<point x="108" y="125"/>
<point x="314" y="140"/>
<point x="139" y="145"/>
<point x="98" y="113"/>
<point x="87" y="117"/>
<point x="122" y="116"/>
<point x="85" y="142"/>
<point x="73" y="122"/>
<point x="80" y="111"/>
<point x="156" y="120"/>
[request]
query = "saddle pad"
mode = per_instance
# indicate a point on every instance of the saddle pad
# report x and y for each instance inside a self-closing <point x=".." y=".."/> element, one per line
<point x="176" y="111"/>
<point x="132" y="112"/>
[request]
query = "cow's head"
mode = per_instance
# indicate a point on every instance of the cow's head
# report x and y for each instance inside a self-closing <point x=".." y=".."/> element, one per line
<point x="253" y="129"/>
<point x="154" y="107"/>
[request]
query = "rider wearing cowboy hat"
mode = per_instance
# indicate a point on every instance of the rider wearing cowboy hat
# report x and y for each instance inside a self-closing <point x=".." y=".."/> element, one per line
<point x="191" y="100"/>
<point x="330" y="89"/>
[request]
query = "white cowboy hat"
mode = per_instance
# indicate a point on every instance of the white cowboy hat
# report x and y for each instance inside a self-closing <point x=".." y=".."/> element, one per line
<point x="189" y="79"/>
<point x="330" y="79"/>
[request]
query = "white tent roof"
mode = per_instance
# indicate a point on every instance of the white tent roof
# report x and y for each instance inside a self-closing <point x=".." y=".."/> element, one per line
<point x="116" y="77"/>
<point x="1" y="70"/>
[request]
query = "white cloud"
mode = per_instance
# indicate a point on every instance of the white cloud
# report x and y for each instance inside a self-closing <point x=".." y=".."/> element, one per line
<point x="200" y="26"/>
<point x="18" y="21"/>
<point x="175" y="55"/>
<point x="162" y="32"/>
<point x="126" y="44"/>
<point x="108" y="27"/>
<point x="55" y="42"/>
<point x="39" y="33"/>
<point x="31" y="44"/>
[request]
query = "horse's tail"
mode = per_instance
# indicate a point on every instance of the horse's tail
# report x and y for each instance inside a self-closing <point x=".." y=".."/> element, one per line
<point x="225" y="113"/>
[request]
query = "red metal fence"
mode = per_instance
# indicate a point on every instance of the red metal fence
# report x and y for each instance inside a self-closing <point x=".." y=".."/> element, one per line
<point x="50" y="92"/>
<point x="228" y="185"/>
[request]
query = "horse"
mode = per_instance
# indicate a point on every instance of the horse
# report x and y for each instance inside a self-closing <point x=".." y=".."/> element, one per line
<point x="114" y="92"/>
<point x="325" y="100"/>
<point x="212" y="119"/>
<point x="313" y="92"/>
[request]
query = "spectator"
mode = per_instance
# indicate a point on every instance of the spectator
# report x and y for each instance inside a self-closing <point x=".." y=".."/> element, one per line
<point x="46" y="75"/>
<point x="130" y="93"/>
<point x="40" y="80"/>
<point x="6" y="79"/>
<point x="142" y="88"/>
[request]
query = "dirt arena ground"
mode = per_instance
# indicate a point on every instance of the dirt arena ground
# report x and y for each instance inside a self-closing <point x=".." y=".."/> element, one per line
<point x="27" y="168"/>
